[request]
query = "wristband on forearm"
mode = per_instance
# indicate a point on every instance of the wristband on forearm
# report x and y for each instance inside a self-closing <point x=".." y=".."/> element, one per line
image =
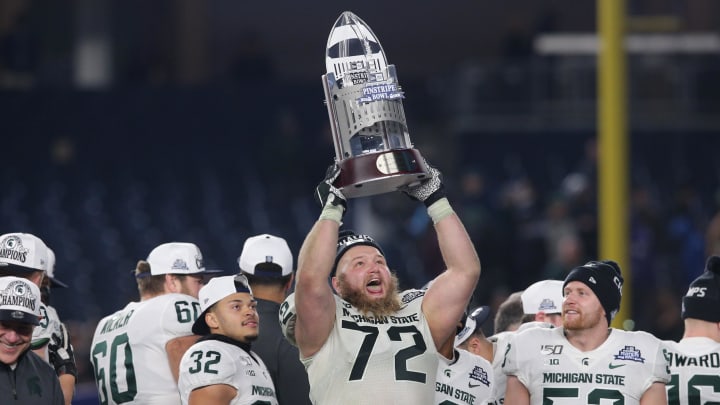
<point x="439" y="210"/>
<point x="333" y="212"/>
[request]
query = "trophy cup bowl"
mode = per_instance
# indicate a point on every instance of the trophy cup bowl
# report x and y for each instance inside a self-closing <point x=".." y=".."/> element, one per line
<point x="367" y="119"/>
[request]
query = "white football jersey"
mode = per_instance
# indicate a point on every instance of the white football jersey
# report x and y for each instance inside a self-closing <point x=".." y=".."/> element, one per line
<point x="552" y="369"/>
<point x="500" y="342"/>
<point x="49" y="324"/>
<point x="372" y="361"/>
<point x="694" y="371"/>
<point x="467" y="379"/>
<point x="211" y="362"/>
<point x="128" y="350"/>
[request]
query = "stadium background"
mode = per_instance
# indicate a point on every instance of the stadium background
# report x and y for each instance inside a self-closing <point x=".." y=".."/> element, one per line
<point x="126" y="124"/>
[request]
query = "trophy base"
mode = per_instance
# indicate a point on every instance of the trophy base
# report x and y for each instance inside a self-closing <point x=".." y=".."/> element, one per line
<point x="380" y="172"/>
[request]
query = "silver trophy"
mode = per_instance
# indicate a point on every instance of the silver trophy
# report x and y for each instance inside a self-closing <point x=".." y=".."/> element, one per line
<point x="367" y="119"/>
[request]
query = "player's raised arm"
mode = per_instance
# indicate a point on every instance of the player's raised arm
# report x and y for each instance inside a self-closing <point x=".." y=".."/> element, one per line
<point x="313" y="295"/>
<point x="449" y="294"/>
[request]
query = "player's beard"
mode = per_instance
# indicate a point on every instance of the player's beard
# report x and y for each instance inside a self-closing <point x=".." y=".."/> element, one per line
<point x="582" y="321"/>
<point x="387" y="305"/>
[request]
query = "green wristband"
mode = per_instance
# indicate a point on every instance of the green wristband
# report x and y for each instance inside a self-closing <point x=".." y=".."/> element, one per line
<point x="439" y="210"/>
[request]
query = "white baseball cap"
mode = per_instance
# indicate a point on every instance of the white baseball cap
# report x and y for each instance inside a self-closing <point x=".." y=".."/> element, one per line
<point x="177" y="258"/>
<point x="544" y="296"/>
<point x="19" y="300"/>
<point x="215" y="290"/>
<point x="267" y="256"/>
<point x="23" y="251"/>
<point x="51" y="270"/>
<point x="472" y="323"/>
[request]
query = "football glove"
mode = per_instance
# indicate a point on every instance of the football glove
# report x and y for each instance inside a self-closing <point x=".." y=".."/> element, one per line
<point x="60" y="353"/>
<point x="326" y="193"/>
<point x="429" y="190"/>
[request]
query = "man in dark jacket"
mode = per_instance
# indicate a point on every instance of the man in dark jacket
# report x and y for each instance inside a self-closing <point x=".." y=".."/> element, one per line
<point x="25" y="378"/>
<point x="267" y="262"/>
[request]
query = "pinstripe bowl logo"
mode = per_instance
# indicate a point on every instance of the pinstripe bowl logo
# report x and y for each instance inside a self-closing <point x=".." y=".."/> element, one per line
<point x="547" y="304"/>
<point x="410" y="296"/>
<point x="179" y="264"/>
<point x="630" y="353"/>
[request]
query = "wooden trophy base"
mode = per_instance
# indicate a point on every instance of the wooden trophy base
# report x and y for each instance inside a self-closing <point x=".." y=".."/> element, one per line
<point x="380" y="172"/>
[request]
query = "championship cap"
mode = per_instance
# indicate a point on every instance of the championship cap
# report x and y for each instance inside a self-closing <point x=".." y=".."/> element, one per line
<point x="177" y="258"/>
<point x="348" y="239"/>
<point x="19" y="300"/>
<point x="51" y="270"/>
<point x="472" y="323"/>
<point x="23" y="251"/>
<point x="702" y="300"/>
<point x="266" y="256"/>
<point x="215" y="290"/>
<point x="543" y="296"/>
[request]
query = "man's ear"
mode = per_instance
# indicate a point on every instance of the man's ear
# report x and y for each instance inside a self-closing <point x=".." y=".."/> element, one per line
<point x="211" y="320"/>
<point x="289" y="284"/>
<point x="334" y="282"/>
<point x="170" y="283"/>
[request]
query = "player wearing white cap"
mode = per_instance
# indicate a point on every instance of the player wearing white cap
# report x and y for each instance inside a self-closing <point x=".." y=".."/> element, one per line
<point x="585" y="361"/>
<point x="539" y="305"/>
<point x="221" y="368"/>
<point x="695" y="359"/>
<point x="267" y="262"/>
<point x="25" y="255"/>
<point x="51" y="339"/>
<point x="136" y="351"/>
<point x="25" y="378"/>
<point x="542" y="302"/>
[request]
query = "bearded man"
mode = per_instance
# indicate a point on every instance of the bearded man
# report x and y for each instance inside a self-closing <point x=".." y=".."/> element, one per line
<point x="370" y="344"/>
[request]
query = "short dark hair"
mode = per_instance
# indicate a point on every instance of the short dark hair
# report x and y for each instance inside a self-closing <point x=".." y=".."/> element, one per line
<point x="255" y="279"/>
<point x="510" y="312"/>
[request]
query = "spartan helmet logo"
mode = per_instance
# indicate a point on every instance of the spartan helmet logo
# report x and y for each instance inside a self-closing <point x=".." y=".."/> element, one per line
<point x="19" y="289"/>
<point x="12" y="242"/>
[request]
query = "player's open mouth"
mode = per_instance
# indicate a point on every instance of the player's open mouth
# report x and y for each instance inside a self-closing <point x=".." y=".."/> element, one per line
<point x="374" y="286"/>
